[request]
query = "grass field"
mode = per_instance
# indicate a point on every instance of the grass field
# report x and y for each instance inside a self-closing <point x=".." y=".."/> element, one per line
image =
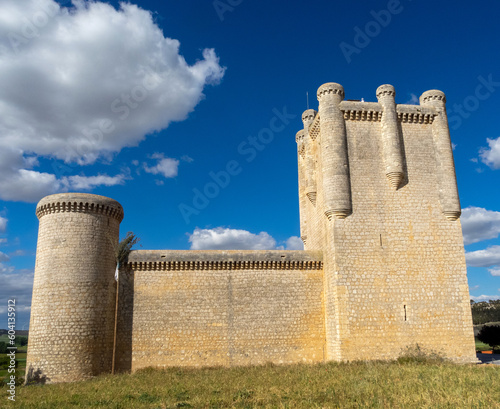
<point x="20" y="358"/>
<point x="410" y="384"/>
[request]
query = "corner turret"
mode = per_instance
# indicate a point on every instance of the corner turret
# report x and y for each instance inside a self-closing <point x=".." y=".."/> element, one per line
<point x="73" y="305"/>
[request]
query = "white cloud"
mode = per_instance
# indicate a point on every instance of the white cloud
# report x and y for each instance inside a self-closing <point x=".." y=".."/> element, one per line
<point x="167" y="167"/>
<point x="19" y="183"/>
<point x="3" y="241"/>
<point x="474" y="288"/>
<point x="479" y="224"/>
<point x="294" y="243"/>
<point x="4" y="257"/>
<point x="485" y="297"/>
<point x="221" y="238"/>
<point x="89" y="182"/>
<point x="413" y="100"/>
<point x="491" y="156"/>
<point x="81" y="83"/>
<point x="3" y="224"/>
<point x="484" y="258"/>
<point x="17" y="284"/>
<point x="230" y="239"/>
<point x="5" y="269"/>
<point x="494" y="271"/>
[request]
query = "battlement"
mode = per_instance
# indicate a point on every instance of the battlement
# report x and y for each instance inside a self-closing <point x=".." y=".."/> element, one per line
<point x="224" y="260"/>
<point x="79" y="203"/>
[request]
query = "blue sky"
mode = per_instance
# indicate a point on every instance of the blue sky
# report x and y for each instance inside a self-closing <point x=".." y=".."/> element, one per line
<point x="147" y="103"/>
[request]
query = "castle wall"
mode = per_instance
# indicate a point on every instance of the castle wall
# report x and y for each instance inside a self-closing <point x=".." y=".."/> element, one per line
<point x="205" y="308"/>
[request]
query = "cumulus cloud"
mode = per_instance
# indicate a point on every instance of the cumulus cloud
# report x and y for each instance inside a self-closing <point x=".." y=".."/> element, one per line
<point x="187" y="158"/>
<point x="294" y="243"/>
<point x="3" y="224"/>
<point x="167" y="167"/>
<point x="484" y="258"/>
<point x="413" y="100"/>
<point x="494" y="271"/>
<point x="89" y="182"/>
<point x="83" y="82"/>
<point x="4" y="257"/>
<point x="221" y="238"/>
<point x="17" y="284"/>
<point x="491" y="156"/>
<point x="479" y="224"/>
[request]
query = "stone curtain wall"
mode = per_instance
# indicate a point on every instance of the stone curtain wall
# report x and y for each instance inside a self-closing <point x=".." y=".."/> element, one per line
<point x="204" y="308"/>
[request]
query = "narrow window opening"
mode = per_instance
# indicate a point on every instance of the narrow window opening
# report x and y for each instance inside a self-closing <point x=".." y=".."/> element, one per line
<point x="381" y="240"/>
<point x="404" y="306"/>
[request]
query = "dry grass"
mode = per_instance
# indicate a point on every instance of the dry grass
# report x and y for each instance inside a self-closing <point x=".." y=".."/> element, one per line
<point x="408" y="384"/>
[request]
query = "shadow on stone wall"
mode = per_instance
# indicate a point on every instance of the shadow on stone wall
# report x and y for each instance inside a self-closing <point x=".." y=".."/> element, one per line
<point x="36" y="377"/>
<point x="123" y="353"/>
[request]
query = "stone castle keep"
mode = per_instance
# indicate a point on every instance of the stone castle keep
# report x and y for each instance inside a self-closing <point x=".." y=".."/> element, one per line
<point x="383" y="266"/>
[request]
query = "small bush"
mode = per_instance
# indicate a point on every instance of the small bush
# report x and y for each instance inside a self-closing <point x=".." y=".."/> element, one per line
<point x="417" y="354"/>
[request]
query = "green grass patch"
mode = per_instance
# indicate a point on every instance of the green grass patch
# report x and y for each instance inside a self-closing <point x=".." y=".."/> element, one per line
<point x="409" y="384"/>
<point x="20" y="370"/>
<point x="5" y="338"/>
<point x="481" y="346"/>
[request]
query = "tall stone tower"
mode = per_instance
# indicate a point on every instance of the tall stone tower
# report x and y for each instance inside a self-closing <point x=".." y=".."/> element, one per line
<point x="73" y="305"/>
<point x="378" y="196"/>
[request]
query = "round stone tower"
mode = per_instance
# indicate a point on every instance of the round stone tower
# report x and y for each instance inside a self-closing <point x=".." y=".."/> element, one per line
<point x="73" y="305"/>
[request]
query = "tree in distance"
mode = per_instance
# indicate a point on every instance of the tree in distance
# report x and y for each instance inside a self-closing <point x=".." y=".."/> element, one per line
<point x="490" y="335"/>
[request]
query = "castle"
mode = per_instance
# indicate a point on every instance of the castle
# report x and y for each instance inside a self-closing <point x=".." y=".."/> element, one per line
<point x="383" y="266"/>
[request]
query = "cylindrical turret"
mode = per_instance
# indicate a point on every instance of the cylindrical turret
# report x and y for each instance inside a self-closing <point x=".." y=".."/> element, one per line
<point x="299" y="138"/>
<point x="334" y="158"/>
<point x="448" y="190"/>
<point x="310" y="171"/>
<point x="73" y="305"/>
<point x="391" y="139"/>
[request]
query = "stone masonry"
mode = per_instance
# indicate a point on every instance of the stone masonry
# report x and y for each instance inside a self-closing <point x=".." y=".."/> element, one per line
<point x="383" y="266"/>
